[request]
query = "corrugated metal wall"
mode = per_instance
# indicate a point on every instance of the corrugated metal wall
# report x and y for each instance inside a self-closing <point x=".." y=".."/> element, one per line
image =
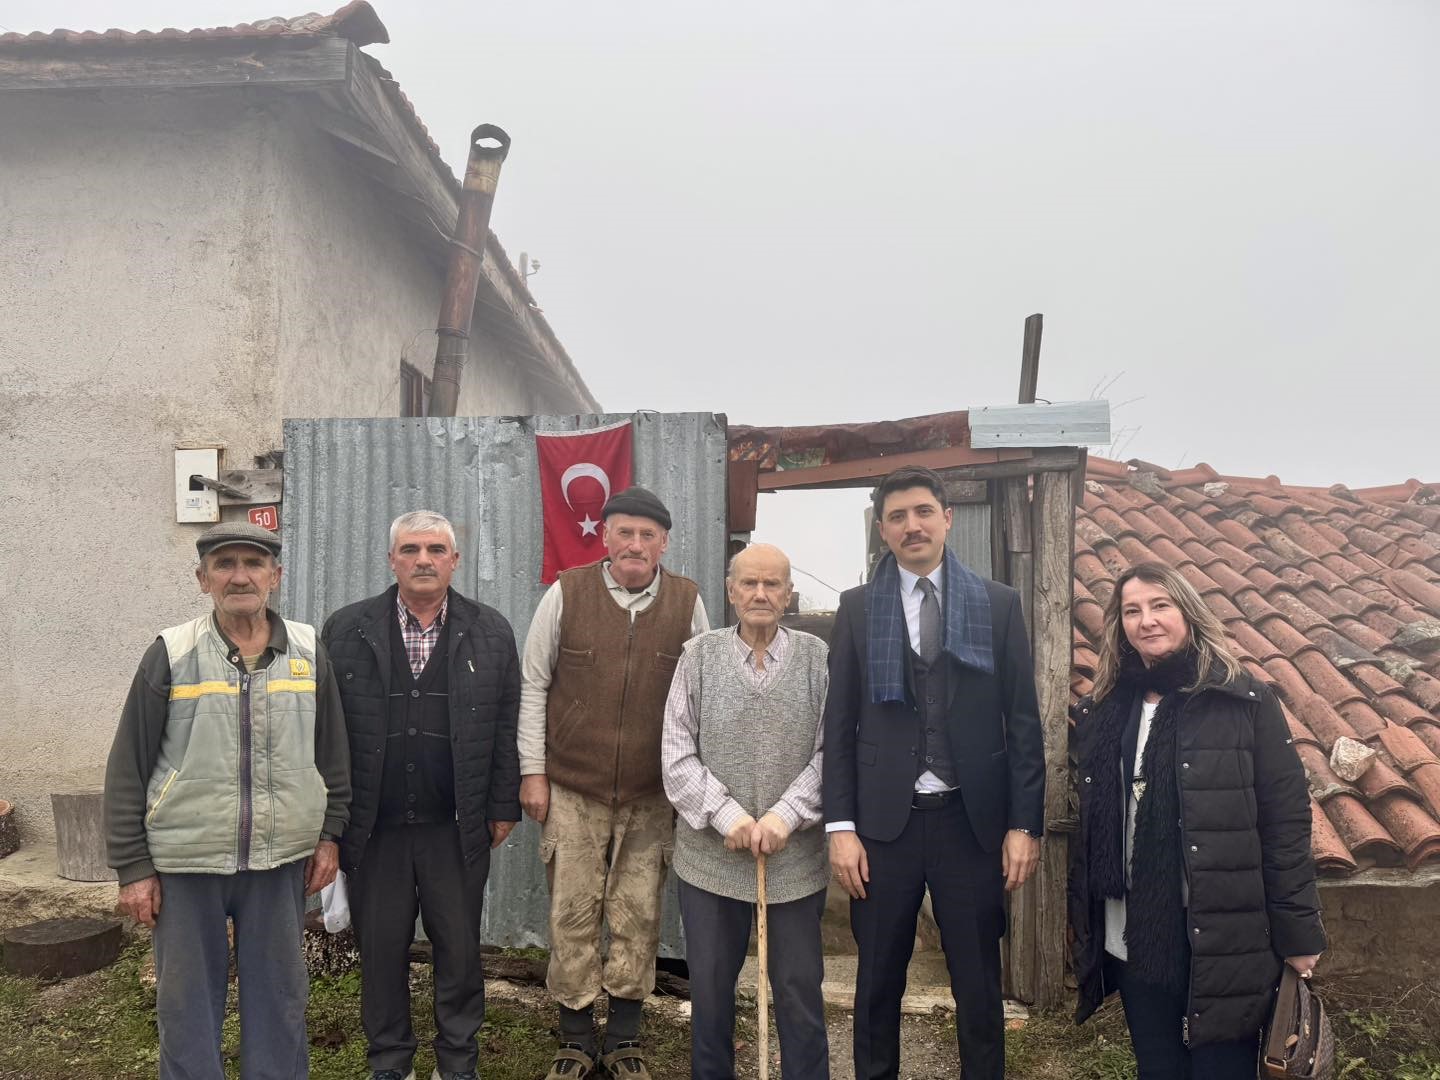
<point x="346" y="480"/>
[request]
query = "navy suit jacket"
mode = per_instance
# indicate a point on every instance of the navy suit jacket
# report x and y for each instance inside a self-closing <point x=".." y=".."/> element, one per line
<point x="993" y="726"/>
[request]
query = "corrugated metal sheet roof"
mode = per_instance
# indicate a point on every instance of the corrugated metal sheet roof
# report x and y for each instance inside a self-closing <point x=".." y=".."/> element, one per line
<point x="346" y="480"/>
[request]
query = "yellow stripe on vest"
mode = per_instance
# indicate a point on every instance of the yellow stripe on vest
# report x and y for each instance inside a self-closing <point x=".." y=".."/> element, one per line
<point x="291" y="686"/>
<point x="188" y="691"/>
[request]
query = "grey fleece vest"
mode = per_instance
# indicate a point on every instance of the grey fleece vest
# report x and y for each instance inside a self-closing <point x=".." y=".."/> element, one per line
<point x="755" y="743"/>
<point x="235" y="787"/>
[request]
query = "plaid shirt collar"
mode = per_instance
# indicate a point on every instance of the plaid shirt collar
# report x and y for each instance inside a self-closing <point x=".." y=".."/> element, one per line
<point x="419" y="640"/>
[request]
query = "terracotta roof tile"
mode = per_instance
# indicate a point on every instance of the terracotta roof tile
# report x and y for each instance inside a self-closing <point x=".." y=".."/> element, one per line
<point x="1405" y="748"/>
<point x="1426" y="779"/>
<point x="1360" y="831"/>
<point x="1329" y="596"/>
<point x="1362" y="717"/>
<point x="1323" y="574"/>
<point x="1201" y="529"/>
<point x="1424" y="593"/>
<point x="1417" y="833"/>
<point x="1321" y="719"/>
<point x="1224" y="610"/>
<point x="356" y="21"/>
<point x="1382" y="779"/>
<point x="1425" y="689"/>
<point x="1429" y="734"/>
<point x="1331" y="854"/>
<point x="1257" y="644"/>
<point x="1290" y="641"/>
<point x="1285" y="675"/>
<point x="1316" y="597"/>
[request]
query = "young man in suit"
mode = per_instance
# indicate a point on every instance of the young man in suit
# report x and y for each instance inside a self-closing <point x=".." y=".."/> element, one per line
<point x="934" y="772"/>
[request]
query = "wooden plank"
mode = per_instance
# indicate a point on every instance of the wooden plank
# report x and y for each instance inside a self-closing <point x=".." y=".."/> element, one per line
<point x="859" y="472"/>
<point x="1019" y="543"/>
<point x="312" y="64"/>
<point x="1054" y="531"/>
<point x="741" y="492"/>
<point x="1030" y="359"/>
<point x="961" y="492"/>
<point x="1064" y="423"/>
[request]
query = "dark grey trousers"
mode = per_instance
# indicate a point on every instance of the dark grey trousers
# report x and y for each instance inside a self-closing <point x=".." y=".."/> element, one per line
<point x="192" y="967"/>
<point x="717" y="933"/>
<point x="410" y="869"/>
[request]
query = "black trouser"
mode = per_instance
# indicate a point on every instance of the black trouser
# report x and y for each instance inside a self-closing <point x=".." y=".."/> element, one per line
<point x="717" y="933"/>
<point x="408" y="869"/>
<point x="1155" y="1015"/>
<point x="967" y="892"/>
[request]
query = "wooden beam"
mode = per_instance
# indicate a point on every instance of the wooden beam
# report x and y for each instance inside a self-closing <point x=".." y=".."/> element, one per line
<point x="311" y="63"/>
<point x="1054" y="532"/>
<point x="1030" y="359"/>
<point x="870" y="469"/>
<point x="741" y="489"/>
<point x="859" y="472"/>
<point x="1016" y="526"/>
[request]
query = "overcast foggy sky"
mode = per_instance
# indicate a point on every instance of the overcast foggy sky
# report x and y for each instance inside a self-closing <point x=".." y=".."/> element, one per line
<point x="804" y="212"/>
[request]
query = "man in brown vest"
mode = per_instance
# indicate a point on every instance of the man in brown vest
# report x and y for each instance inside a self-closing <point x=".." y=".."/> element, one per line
<point x="596" y="671"/>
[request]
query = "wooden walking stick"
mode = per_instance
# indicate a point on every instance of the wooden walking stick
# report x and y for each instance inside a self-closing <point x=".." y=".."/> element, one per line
<point x="762" y="994"/>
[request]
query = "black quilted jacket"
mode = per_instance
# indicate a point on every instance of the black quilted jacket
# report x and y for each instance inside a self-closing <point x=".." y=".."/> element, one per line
<point x="484" y="703"/>
<point x="1245" y="828"/>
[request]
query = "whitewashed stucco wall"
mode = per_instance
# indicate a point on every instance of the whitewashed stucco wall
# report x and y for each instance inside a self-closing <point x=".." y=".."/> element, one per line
<point x="178" y="268"/>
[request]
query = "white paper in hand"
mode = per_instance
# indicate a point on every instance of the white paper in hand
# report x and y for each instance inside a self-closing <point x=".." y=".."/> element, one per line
<point x="335" y="903"/>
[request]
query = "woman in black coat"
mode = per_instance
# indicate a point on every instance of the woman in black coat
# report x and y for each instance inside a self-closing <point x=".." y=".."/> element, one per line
<point x="1191" y="879"/>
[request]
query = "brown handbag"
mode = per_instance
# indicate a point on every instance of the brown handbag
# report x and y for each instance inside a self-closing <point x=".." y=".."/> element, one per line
<point x="1298" y="1040"/>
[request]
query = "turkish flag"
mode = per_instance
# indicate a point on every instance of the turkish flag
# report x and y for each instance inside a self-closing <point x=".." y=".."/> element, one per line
<point x="579" y="471"/>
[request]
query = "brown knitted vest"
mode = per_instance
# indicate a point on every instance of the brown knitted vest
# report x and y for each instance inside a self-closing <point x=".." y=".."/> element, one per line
<point x="607" y="697"/>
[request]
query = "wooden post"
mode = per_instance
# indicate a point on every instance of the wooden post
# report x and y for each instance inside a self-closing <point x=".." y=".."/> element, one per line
<point x="80" y="836"/>
<point x="9" y="831"/>
<point x="1054" y="532"/>
<point x="1030" y="359"/>
<point x="1017" y="525"/>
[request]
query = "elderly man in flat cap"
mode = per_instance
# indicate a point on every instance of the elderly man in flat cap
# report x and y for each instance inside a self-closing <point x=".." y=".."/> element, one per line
<point x="596" y="671"/>
<point x="227" y="788"/>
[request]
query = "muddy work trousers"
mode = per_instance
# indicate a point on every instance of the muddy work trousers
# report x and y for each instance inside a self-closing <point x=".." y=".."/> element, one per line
<point x="606" y="866"/>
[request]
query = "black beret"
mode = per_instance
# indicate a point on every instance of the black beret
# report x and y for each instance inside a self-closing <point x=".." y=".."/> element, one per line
<point x="640" y="502"/>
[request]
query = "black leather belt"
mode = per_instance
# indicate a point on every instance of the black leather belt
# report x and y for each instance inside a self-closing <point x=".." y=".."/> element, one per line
<point x="931" y="800"/>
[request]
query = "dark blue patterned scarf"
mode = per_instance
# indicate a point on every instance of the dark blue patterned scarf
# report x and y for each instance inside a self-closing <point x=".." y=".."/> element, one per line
<point x="966" y="610"/>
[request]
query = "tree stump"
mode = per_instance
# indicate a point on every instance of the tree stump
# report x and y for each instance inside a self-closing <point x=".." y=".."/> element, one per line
<point x="61" y="948"/>
<point x="9" y="831"/>
<point x="80" y="835"/>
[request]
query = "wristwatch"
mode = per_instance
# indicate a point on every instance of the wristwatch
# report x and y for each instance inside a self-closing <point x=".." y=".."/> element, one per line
<point x="1027" y="832"/>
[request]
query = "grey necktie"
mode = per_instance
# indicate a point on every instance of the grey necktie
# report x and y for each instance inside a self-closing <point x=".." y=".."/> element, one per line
<point x="930" y="632"/>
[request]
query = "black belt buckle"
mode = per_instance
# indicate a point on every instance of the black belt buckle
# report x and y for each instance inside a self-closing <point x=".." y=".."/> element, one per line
<point x="930" y="800"/>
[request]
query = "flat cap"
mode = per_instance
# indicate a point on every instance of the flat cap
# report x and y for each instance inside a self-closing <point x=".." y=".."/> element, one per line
<point x="237" y="532"/>
<point x="640" y="502"/>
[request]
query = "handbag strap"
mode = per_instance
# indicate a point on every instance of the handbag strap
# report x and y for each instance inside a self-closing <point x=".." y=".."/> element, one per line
<point x="1281" y="1021"/>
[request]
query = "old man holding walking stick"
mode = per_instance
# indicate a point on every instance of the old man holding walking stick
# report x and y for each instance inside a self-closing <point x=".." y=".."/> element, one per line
<point x="741" y="756"/>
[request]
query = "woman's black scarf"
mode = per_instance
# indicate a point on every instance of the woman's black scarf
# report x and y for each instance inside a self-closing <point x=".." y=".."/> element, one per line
<point x="1156" y="941"/>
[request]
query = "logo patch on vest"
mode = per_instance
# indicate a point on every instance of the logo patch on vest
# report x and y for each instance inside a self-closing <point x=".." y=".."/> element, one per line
<point x="299" y="668"/>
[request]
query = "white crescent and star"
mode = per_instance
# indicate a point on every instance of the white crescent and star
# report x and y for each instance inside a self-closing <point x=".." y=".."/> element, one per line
<point x="588" y="526"/>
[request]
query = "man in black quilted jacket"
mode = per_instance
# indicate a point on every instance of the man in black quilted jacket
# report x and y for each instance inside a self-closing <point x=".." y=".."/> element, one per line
<point x="430" y="683"/>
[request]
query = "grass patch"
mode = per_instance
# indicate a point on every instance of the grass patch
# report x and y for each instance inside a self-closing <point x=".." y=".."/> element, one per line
<point x="102" y="1026"/>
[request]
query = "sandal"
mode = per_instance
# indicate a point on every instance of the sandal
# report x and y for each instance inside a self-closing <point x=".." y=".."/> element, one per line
<point x="625" y="1062"/>
<point x="571" y="1063"/>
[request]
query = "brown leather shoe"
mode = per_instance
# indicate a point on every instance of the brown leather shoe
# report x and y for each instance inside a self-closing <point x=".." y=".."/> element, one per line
<point x="625" y="1062"/>
<point x="571" y="1063"/>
